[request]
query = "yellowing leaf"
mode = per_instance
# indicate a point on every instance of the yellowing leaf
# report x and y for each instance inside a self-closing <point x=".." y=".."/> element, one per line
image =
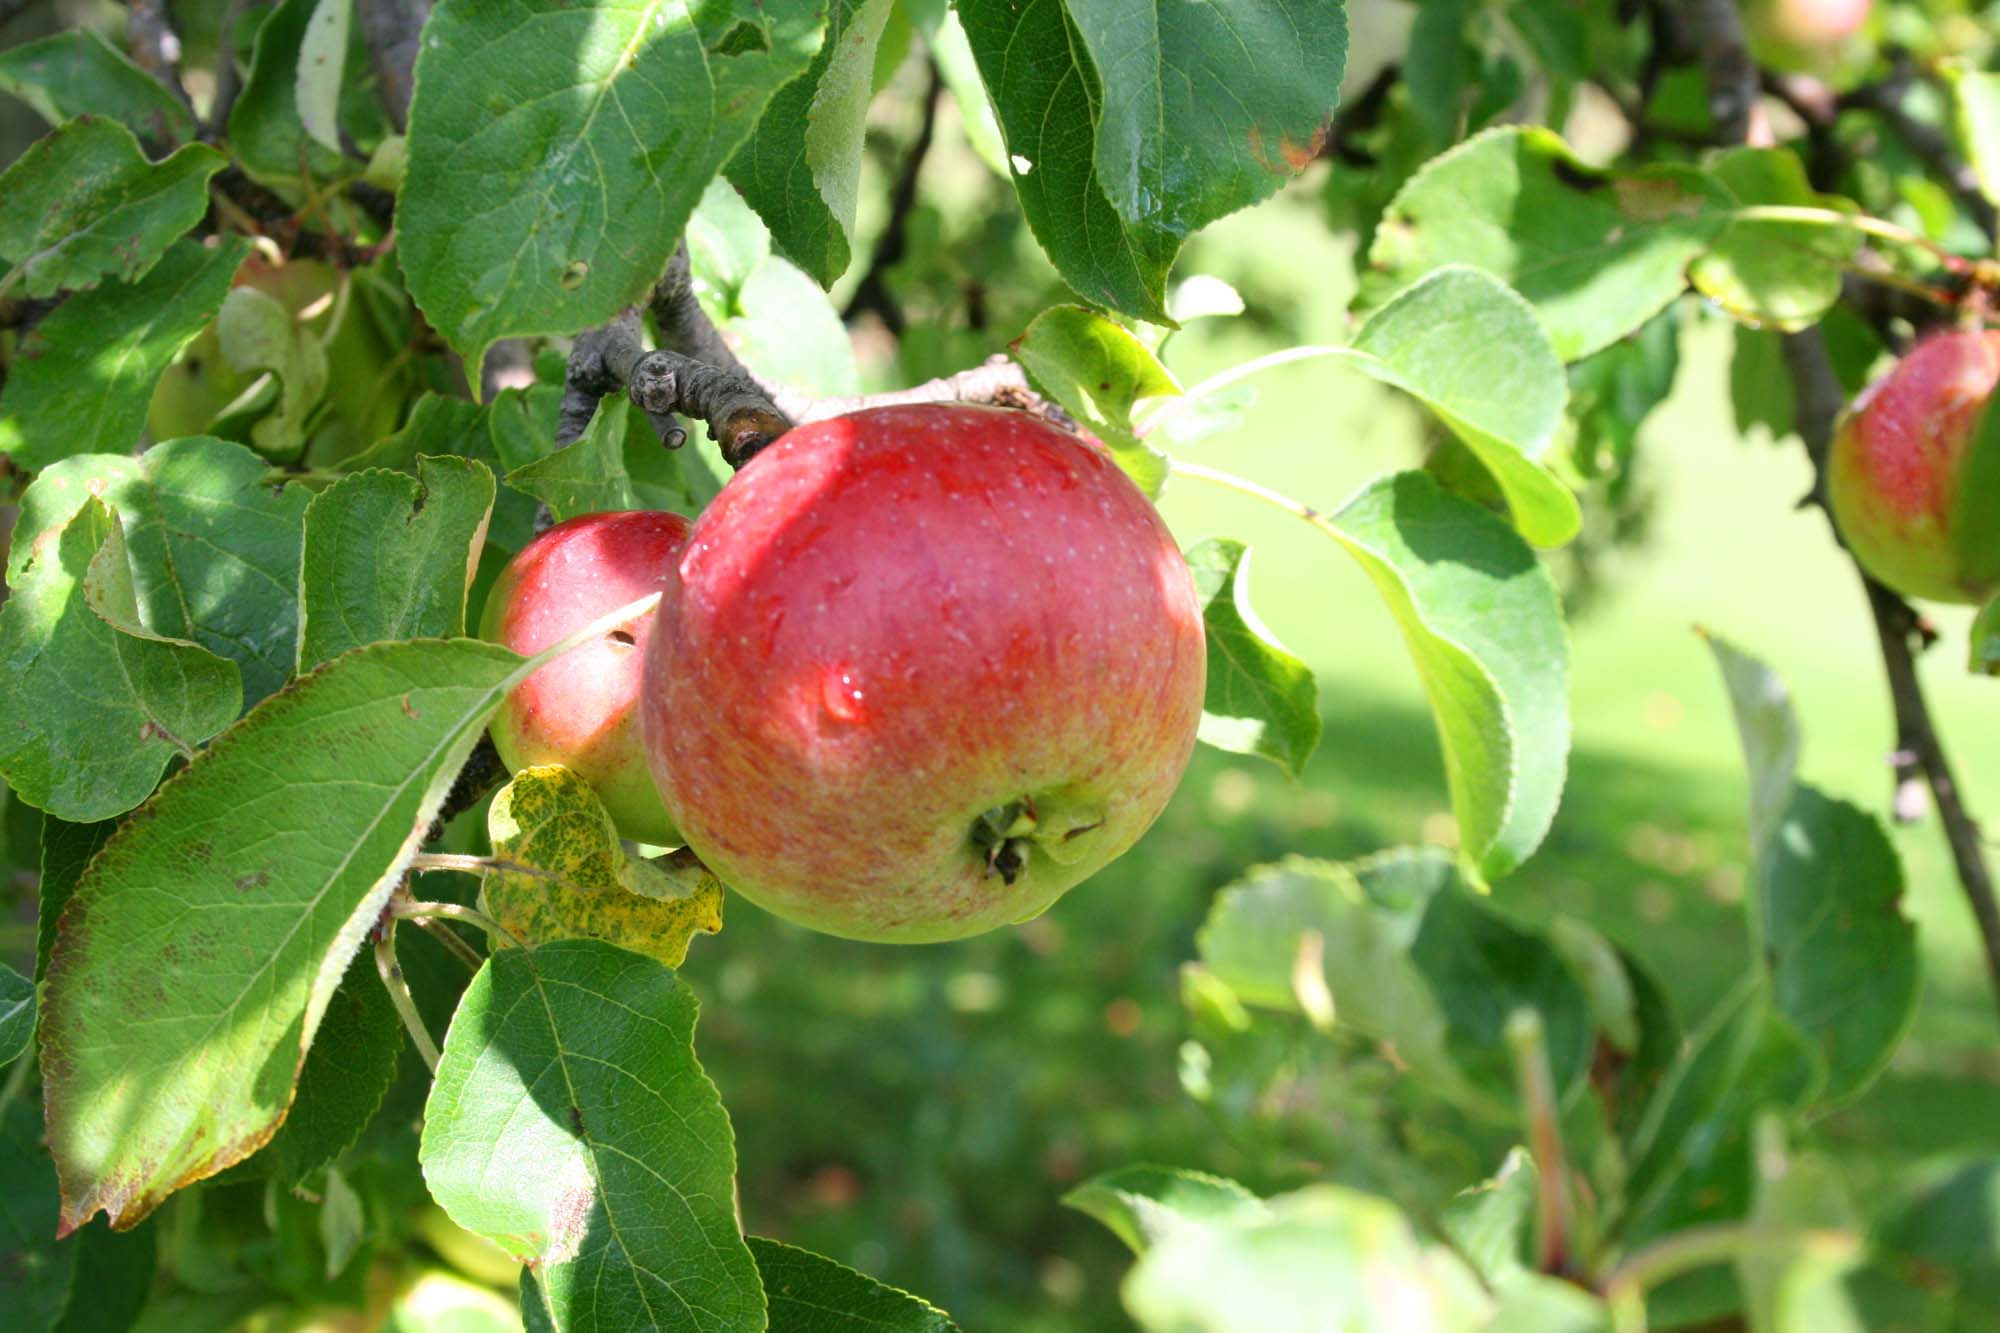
<point x="548" y="820"/>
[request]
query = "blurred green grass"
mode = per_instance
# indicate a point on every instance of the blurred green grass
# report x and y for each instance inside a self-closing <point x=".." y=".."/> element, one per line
<point x="918" y="1113"/>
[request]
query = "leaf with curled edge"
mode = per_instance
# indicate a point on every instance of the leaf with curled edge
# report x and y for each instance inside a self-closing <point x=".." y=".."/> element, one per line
<point x="579" y="883"/>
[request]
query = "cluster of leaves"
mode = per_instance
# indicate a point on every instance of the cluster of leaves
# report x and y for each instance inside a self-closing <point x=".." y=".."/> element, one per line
<point x="259" y="508"/>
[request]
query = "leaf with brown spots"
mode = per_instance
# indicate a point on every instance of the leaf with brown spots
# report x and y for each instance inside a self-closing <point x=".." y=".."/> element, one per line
<point x="549" y="820"/>
<point x="571" y="1125"/>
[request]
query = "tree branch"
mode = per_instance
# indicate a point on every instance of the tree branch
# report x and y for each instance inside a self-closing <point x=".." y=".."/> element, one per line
<point x="1733" y="83"/>
<point x="872" y="293"/>
<point x="1932" y="146"/>
<point x="392" y="30"/>
<point x="154" y="45"/>
<point x="228" y="81"/>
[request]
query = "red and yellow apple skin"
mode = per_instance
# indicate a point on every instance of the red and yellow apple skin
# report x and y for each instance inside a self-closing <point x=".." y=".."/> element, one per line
<point x="1916" y="495"/>
<point x="580" y="709"/>
<point x="925" y="668"/>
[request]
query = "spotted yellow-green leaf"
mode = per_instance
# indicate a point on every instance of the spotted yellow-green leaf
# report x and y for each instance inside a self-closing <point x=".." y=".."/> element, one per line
<point x="578" y="883"/>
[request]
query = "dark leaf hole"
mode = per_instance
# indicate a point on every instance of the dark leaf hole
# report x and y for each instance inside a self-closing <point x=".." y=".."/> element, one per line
<point x="623" y="636"/>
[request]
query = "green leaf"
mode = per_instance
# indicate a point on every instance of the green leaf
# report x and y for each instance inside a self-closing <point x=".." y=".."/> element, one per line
<point x="1098" y="371"/>
<point x="1187" y="135"/>
<point x="1322" y="1258"/>
<point x="549" y="820"/>
<point x="97" y="704"/>
<point x="1952" y="1222"/>
<point x="579" y="1058"/>
<point x="801" y="167"/>
<point x="77" y="72"/>
<point x="1533" y="1303"/>
<point x="82" y="379"/>
<point x="1482" y="620"/>
<point x="1984" y="638"/>
<point x="727" y="242"/>
<point x="35" y="1271"/>
<point x="1473" y="352"/>
<point x="1691" y="1153"/>
<point x="554" y="203"/>
<point x="1768" y="730"/>
<point x="204" y="942"/>
<point x="1799" y="1287"/>
<point x="1975" y="105"/>
<point x="1597" y="254"/>
<point x="266" y="130"/>
<point x="66" y="850"/>
<point x="1842" y="956"/>
<point x="1487" y="1223"/>
<point x="215" y="549"/>
<point x="1261" y="700"/>
<point x="1780" y="275"/>
<point x="258" y="335"/>
<point x="110" y="1279"/>
<point x="345" y="1076"/>
<point x="589" y="477"/>
<point x="809" y="1293"/>
<point x="84" y="203"/>
<point x="1145" y="1205"/>
<point x="17" y="1014"/>
<point x="322" y="59"/>
<point x="390" y="556"/>
<point x="1048" y="96"/>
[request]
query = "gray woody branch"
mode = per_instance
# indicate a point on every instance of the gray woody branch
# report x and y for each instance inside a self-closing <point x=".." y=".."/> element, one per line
<point x="1733" y="87"/>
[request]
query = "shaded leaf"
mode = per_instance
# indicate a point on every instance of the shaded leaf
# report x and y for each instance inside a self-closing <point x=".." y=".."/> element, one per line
<point x="1952" y="1221"/>
<point x="800" y="168"/>
<point x="111" y="1278"/>
<point x="809" y="1293"/>
<point x="215" y="548"/>
<point x="548" y="819"/>
<point x="66" y="850"/>
<point x="390" y="556"/>
<point x="579" y="1057"/>
<point x="1048" y="96"/>
<point x="266" y="131"/>
<point x="84" y="203"/>
<point x="1261" y="700"/>
<point x="1144" y="1205"/>
<point x="1975" y="104"/>
<point x="556" y="205"/>
<point x="1597" y="254"/>
<point x="17" y="1014"/>
<point x="98" y="704"/>
<point x="1482" y="620"/>
<point x="1488" y="1223"/>
<point x="1984" y="637"/>
<point x="589" y="476"/>
<point x="1098" y="371"/>
<point x="346" y="1074"/>
<point x="77" y="73"/>
<point x="82" y="379"/>
<point x="258" y="335"/>
<point x="1781" y="275"/>
<point x="203" y="944"/>
<point x="35" y="1271"/>
<point x="1799" y="1286"/>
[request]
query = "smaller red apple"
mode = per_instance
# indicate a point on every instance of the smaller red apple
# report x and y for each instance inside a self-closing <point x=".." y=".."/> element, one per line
<point x="579" y="710"/>
<point x="1913" y="487"/>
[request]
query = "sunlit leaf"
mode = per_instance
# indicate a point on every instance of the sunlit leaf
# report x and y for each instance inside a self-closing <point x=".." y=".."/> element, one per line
<point x="83" y="378"/>
<point x="809" y="1293"/>
<point x="1144" y="1205"/>
<point x="553" y="203"/>
<point x="578" y="1057"/>
<point x="547" y="819"/>
<point x="1781" y="275"/>
<point x="203" y="944"/>
<point x="1098" y="371"/>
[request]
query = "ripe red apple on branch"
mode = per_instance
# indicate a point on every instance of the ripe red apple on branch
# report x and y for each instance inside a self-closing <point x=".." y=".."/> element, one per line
<point x="925" y="668"/>
<point x="1913" y="480"/>
<point x="580" y="710"/>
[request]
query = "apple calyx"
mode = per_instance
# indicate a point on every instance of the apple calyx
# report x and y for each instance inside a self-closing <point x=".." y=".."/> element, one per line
<point x="1057" y="826"/>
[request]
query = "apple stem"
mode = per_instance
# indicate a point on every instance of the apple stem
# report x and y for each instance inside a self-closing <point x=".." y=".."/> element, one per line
<point x="391" y="973"/>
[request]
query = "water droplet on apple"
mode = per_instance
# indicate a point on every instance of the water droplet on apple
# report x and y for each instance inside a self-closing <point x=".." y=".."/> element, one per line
<point x="842" y="696"/>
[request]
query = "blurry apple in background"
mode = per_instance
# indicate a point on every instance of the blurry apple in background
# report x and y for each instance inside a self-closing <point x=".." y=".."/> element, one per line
<point x="1914" y="483"/>
<point x="580" y="710"/>
<point x="925" y="668"/>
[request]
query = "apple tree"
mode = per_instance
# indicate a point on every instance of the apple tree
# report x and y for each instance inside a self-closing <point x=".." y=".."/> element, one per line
<point x="503" y="490"/>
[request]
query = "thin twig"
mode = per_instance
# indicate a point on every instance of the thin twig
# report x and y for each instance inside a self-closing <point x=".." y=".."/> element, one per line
<point x="872" y="292"/>
<point x="393" y="981"/>
<point x="155" y="47"/>
<point x="416" y="909"/>
<point x="1535" y="1085"/>
<point x="453" y="942"/>
<point x="392" y="30"/>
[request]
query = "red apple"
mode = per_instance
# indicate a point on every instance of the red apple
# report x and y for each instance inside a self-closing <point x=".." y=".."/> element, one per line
<point x="925" y="669"/>
<point x="1914" y="490"/>
<point x="578" y="710"/>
